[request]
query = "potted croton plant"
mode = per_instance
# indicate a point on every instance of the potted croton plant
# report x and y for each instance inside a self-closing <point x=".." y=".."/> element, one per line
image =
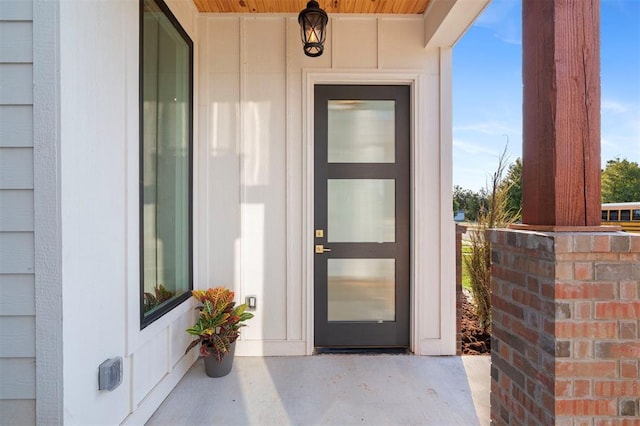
<point x="217" y="328"/>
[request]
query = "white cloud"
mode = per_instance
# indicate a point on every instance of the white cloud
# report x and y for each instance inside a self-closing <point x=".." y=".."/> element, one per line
<point x="606" y="143"/>
<point x="503" y="17"/>
<point x="490" y="128"/>
<point x="613" y="106"/>
<point x="472" y="147"/>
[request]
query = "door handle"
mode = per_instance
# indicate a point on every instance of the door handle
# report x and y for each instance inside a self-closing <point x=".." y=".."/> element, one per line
<point x="321" y="249"/>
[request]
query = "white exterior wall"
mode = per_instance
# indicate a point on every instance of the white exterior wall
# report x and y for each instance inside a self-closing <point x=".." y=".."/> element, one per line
<point x="256" y="118"/>
<point x="99" y="211"/>
<point x="17" y="278"/>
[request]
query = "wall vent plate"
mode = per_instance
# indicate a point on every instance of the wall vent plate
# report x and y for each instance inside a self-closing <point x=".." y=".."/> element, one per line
<point x="110" y="374"/>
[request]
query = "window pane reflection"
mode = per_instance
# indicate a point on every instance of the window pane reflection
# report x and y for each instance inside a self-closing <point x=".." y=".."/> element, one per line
<point x="166" y="68"/>
<point x="361" y="131"/>
<point x="361" y="210"/>
<point x="361" y="289"/>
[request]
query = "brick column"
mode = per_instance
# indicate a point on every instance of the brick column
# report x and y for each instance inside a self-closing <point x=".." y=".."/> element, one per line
<point x="566" y="326"/>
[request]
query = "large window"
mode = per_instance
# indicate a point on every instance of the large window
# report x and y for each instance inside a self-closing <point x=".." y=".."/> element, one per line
<point x="166" y="129"/>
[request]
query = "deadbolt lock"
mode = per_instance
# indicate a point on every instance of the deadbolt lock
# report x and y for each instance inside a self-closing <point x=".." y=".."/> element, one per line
<point x="319" y="233"/>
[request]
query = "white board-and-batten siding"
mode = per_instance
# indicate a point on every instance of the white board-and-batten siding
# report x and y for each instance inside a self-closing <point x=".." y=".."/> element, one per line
<point x="17" y="288"/>
<point x="253" y="84"/>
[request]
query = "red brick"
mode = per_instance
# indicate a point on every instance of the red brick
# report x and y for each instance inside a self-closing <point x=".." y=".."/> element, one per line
<point x="497" y="272"/>
<point x="606" y="257"/>
<point x="617" y="310"/>
<point x="549" y="327"/>
<point x="585" y="257"/>
<point x="617" y="388"/>
<point x="635" y="244"/>
<point x="514" y="276"/>
<point x="628" y="330"/>
<point x="617" y="350"/>
<point x="505" y="382"/>
<point x="581" y="369"/>
<point x="563" y="310"/>
<point x="586" y="407"/>
<point x="545" y="269"/>
<point x="548" y="402"/>
<point x="518" y="262"/>
<point x="600" y="243"/>
<point x="547" y="371"/>
<point x="564" y="271"/>
<point x="582" y="243"/>
<point x="525" y="298"/>
<point x="600" y="291"/>
<point x="533" y="408"/>
<point x="629" y="369"/>
<point x="506" y="321"/>
<point x="620" y="243"/>
<point x="533" y="318"/>
<point x="581" y="388"/>
<point x="583" y="349"/>
<point x="505" y="352"/>
<point x="583" y="310"/>
<point x="616" y="422"/>
<point x="522" y="400"/>
<point x="583" y="271"/>
<point x="629" y="257"/>
<point x="613" y="271"/>
<point x="590" y="329"/>
<point x="532" y="284"/>
<point x="548" y="290"/>
<point x="563" y="244"/>
<point x="629" y="290"/>
<point x="500" y="303"/>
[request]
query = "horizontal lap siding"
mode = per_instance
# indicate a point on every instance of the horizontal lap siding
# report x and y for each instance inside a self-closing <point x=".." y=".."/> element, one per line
<point x="19" y="50"/>
<point x="16" y="126"/>
<point x="17" y="308"/>
<point x="16" y="210"/>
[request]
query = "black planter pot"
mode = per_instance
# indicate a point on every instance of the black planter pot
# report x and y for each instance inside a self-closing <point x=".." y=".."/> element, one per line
<point x="214" y="368"/>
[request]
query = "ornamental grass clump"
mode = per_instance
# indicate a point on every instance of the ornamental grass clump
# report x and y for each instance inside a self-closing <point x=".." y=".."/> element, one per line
<point x="478" y="260"/>
<point x="219" y="322"/>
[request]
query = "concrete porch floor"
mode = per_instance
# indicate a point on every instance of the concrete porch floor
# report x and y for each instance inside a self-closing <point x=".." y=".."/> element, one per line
<point x="334" y="390"/>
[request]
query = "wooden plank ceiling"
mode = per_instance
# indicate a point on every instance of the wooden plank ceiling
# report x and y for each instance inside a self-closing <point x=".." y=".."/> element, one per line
<point x="330" y="6"/>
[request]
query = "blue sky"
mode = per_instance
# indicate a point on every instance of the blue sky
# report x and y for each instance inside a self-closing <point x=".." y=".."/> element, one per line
<point x="487" y="88"/>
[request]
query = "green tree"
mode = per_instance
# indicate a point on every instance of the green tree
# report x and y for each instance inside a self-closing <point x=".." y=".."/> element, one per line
<point x="620" y="181"/>
<point x="512" y="185"/>
<point x="469" y="201"/>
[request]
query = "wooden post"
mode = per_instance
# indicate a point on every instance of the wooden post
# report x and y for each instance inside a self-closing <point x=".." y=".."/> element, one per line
<point x="561" y="115"/>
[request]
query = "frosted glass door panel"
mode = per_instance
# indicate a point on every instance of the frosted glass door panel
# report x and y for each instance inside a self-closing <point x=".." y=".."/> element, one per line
<point x="361" y="210"/>
<point x="361" y="289"/>
<point x="361" y="131"/>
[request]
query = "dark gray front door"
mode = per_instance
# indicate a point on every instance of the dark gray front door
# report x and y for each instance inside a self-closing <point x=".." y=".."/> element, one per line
<point x="362" y="178"/>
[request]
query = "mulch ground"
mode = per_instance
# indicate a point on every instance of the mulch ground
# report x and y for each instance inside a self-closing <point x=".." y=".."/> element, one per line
<point x="475" y="341"/>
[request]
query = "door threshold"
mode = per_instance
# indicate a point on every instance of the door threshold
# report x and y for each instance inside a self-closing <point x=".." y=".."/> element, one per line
<point x="362" y="351"/>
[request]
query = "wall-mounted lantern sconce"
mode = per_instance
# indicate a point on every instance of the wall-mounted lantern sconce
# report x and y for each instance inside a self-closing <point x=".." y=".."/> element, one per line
<point x="313" y="22"/>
